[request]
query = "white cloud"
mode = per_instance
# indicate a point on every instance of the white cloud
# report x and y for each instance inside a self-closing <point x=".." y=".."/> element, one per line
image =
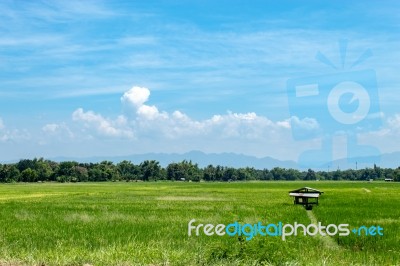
<point x="394" y="122"/>
<point x="10" y="134"/>
<point x="134" y="100"/>
<point x="150" y="129"/>
<point x="240" y="125"/>
<point x="386" y="139"/>
<point x="284" y="124"/>
<point x="14" y="135"/>
<point x="149" y="121"/>
<point x="50" y="128"/>
<point x="57" y="129"/>
<point x="136" y="96"/>
<point x="148" y="112"/>
<point x="102" y="125"/>
<point x="234" y="132"/>
<point x="306" y="123"/>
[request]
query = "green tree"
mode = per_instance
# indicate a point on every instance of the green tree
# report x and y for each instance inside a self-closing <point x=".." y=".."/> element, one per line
<point x="278" y="173"/>
<point x="209" y="173"/>
<point x="310" y="175"/>
<point x="81" y="174"/>
<point x="127" y="170"/>
<point x="104" y="171"/>
<point x="44" y="170"/>
<point x="229" y="174"/>
<point x="174" y="172"/>
<point x="396" y="174"/>
<point x="150" y="170"/>
<point x="67" y="169"/>
<point x="29" y="175"/>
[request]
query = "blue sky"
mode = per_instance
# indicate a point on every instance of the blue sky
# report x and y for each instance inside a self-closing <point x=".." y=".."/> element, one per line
<point x="86" y="78"/>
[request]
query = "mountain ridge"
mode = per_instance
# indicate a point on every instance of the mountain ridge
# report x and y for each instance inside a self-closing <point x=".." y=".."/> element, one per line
<point x="229" y="159"/>
<point x="201" y="158"/>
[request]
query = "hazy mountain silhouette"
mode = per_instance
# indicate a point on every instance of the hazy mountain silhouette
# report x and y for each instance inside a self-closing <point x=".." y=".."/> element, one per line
<point x="389" y="160"/>
<point x="201" y="158"/>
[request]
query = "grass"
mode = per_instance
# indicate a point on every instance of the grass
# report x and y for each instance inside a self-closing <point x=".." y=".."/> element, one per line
<point x="146" y="223"/>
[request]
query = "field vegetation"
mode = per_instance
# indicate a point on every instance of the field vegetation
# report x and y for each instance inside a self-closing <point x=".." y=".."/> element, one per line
<point x="145" y="223"/>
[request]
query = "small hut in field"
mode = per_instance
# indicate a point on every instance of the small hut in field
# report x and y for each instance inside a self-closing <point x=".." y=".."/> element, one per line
<point x="306" y="196"/>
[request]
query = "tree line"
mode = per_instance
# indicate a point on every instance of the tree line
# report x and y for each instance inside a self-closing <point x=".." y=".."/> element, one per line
<point x="41" y="170"/>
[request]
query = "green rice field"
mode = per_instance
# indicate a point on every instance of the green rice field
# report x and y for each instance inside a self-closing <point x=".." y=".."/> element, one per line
<point x="146" y="223"/>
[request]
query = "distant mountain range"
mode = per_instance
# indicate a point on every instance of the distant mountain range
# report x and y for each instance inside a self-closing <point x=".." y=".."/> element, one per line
<point x="390" y="160"/>
<point x="386" y="160"/>
<point x="201" y="158"/>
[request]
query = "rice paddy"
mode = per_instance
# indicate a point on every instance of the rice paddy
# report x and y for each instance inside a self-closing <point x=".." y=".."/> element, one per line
<point x="146" y="223"/>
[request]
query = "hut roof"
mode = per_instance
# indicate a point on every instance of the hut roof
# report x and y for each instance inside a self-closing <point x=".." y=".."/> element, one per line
<point x="307" y="190"/>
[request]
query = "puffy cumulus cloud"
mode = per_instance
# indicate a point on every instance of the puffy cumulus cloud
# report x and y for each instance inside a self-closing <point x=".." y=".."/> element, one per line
<point x="103" y="126"/>
<point x="150" y="112"/>
<point x="303" y="129"/>
<point x="134" y="101"/>
<point x="57" y="129"/>
<point x="136" y="96"/>
<point x="306" y="123"/>
<point x="284" y="123"/>
<point x="242" y="125"/>
<point x="149" y="129"/>
<point x="227" y="126"/>
<point x="148" y="121"/>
